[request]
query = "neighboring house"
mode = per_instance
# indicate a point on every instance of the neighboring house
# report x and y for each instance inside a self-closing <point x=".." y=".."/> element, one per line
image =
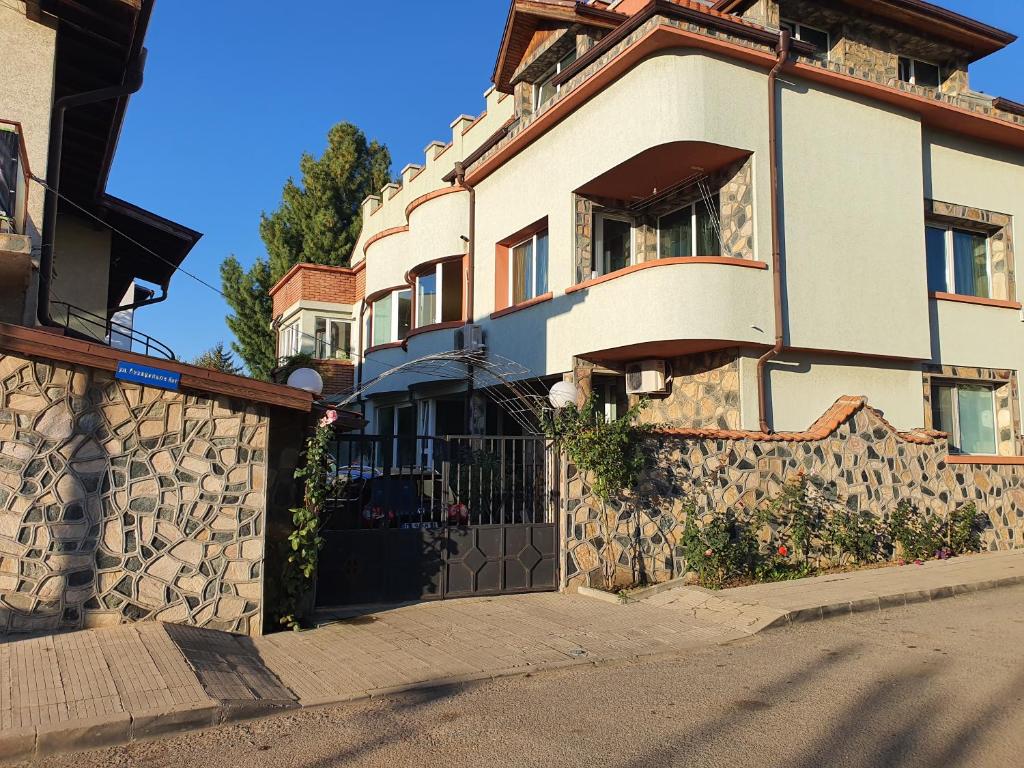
<point x="610" y="219"/>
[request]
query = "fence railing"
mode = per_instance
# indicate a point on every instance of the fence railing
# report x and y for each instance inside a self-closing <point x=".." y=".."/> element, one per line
<point x="432" y="482"/>
<point x="81" y="320"/>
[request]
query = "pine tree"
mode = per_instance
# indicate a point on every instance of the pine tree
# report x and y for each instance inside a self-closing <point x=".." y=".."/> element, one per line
<point x="218" y="359"/>
<point x="317" y="222"/>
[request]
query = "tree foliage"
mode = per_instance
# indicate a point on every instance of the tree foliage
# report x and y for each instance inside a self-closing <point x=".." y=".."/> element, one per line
<point x="217" y="358"/>
<point x="318" y="222"/>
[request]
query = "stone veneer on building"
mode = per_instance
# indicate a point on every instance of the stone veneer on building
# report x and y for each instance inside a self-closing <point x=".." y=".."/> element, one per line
<point x="868" y="464"/>
<point x="120" y="503"/>
<point x="704" y="393"/>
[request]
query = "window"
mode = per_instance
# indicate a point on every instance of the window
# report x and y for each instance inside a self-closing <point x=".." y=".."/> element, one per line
<point x="613" y="243"/>
<point x="610" y="395"/>
<point x="690" y="231"/>
<point x="805" y="34"/>
<point x="544" y="89"/>
<point x="332" y="337"/>
<point x="919" y="73"/>
<point x="391" y="317"/>
<point x="528" y="269"/>
<point x="10" y="177"/>
<point x="958" y="261"/>
<point x="966" y="412"/>
<point x="290" y="340"/>
<point x="433" y="306"/>
<point x="399" y="423"/>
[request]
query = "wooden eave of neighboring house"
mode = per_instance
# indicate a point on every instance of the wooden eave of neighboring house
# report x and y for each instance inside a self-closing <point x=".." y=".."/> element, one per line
<point x="527" y="17"/>
<point x="930" y="21"/>
<point x="38" y="343"/>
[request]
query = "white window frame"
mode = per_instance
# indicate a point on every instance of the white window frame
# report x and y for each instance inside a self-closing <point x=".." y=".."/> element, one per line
<point x="950" y="270"/>
<point x="291" y="339"/>
<point x="393" y="333"/>
<point x="599" y="219"/>
<point x="693" y="226"/>
<point x="533" y="267"/>
<point x="395" y="408"/>
<point x="551" y="72"/>
<point x="438" y="290"/>
<point x="797" y="32"/>
<point x="328" y="322"/>
<point x="913" y="70"/>
<point x="955" y="385"/>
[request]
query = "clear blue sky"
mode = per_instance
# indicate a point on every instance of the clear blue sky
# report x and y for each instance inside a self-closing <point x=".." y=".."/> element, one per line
<point x="236" y="92"/>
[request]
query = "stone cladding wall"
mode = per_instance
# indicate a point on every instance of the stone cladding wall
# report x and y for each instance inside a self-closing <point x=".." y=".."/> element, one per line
<point x="705" y="393"/>
<point x="868" y="464"/>
<point x="1007" y="408"/>
<point x="121" y="503"/>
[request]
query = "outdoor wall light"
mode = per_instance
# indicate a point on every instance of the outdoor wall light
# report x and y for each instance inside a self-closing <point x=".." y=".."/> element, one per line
<point x="563" y="393"/>
<point x="306" y="379"/>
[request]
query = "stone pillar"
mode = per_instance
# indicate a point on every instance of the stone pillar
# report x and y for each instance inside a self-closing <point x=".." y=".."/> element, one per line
<point x="583" y="377"/>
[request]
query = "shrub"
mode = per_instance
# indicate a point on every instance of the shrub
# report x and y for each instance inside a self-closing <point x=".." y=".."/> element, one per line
<point x="963" y="529"/>
<point x="916" y="534"/>
<point x="854" y="534"/>
<point x="720" y="551"/>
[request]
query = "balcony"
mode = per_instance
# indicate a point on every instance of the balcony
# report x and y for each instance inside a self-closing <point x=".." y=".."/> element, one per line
<point x="15" y="244"/>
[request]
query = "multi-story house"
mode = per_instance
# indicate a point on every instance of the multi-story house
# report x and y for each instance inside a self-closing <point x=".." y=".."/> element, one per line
<point x="744" y="210"/>
<point x="71" y="253"/>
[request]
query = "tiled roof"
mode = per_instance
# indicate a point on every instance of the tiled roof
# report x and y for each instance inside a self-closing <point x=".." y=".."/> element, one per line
<point x="841" y="411"/>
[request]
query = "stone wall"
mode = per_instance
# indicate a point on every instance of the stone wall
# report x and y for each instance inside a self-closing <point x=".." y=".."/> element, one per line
<point x="868" y="464"/>
<point x="122" y="503"/>
<point x="704" y="393"/>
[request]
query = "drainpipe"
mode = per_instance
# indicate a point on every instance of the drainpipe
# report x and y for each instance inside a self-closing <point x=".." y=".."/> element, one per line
<point x="359" y="368"/>
<point x="132" y="83"/>
<point x="460" y="179"/>
<point x="773" y="149"/>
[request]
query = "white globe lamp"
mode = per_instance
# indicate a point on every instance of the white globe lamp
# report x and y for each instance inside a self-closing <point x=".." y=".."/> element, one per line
<point x="306" y="379"/>
<point x="563" y="393"/>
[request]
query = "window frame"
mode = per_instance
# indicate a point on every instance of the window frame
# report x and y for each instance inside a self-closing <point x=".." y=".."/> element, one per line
<point x="950" y="251"/>
<point x="437" y="272"/>
<point x="693" y="226"/>
<point x="796" y="30"/>
<point x="393" y="337"/>
<point x="913" y="70"/>
<point x="532" y="239"/>
<point x="549" y="74"/>
<point x="290" y="339"/>
<point x="598" y="248"/>
<point x="955" y="437"/>
<point x="345" y="334"/>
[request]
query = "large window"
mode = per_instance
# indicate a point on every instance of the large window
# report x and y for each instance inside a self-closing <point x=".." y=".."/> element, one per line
<point x="690" y="231"/>
<point x="966" y="412"/>
<point x="439" y="294"/>
<point x="819" y="38"/>
<point x="392" y="317"/>
<point x="613" y="243"/>
<point x="920" y="73"/>
<point x="333" y="338"/>
<point x="290" y="340"/>
<point x="544" y="89"/>
<point x="528" y="269"/>
<point x="958" y="261"/>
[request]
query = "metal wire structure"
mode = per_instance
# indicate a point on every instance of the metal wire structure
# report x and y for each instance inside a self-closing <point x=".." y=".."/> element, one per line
<point x="505" y="382"/>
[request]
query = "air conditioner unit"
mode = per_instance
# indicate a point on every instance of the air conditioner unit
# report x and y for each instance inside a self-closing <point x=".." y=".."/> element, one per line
<point x="646" y="377"/>
<point x="470" y="338"/>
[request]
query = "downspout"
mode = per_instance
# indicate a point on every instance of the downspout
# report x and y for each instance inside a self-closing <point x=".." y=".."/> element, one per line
<point x="460" y="179"/>
<point x="359" y="368"/>
<point x="132" y="83"/>
<point x="142" y="302"/>
<point x="773" y="149"/>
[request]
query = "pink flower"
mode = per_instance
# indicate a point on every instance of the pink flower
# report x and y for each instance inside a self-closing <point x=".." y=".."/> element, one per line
<point x="709" y="553"/>
<point x="329" y="418"/>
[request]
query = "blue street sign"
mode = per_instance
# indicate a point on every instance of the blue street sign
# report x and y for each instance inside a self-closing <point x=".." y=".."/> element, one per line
<point x="143" y="374"/>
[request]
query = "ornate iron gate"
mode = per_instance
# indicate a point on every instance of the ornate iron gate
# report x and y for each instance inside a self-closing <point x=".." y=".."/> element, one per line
<point x="417" y="518"/>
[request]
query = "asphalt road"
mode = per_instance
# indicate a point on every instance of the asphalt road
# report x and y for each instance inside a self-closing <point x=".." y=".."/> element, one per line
<point x="936" y="684"/>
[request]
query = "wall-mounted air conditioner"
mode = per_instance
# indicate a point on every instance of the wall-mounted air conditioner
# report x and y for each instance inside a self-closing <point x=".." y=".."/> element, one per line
<point x="646" y="377"/>
<point x="470" y="338"/>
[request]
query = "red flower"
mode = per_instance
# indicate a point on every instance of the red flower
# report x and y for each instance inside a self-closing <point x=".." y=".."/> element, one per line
<point x="784" y="550"/>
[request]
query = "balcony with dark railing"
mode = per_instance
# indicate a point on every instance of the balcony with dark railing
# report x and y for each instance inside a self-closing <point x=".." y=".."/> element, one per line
<point x="82" y="323"/>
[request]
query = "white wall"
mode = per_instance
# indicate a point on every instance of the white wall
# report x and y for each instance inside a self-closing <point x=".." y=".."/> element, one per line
<point x="81" y="270"/>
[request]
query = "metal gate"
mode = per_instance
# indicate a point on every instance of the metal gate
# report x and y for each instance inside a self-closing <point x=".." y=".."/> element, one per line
<point x="419" y="518"/>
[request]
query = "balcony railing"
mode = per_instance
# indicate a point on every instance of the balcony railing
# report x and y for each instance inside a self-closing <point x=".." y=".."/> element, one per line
<point x="80" y="320"/>
<point x="14" y="176"/>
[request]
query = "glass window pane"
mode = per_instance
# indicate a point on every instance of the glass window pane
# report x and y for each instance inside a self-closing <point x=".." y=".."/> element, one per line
<point x="568" y="59"/>
<point x="926" y="75"/>
<point x="382" y="320"/>
<point x="935" y="252"/>
<point x="451" y="291"/>
<point x="977" y="419"/>
<point x="386" y="427"/>
<point x="426" y="299"/>
<point x="404" y="313"/>
<point x="906" y="69"/>
<point x="675" y="234"/>
<point x="544" y="89"/>
<point x="616" y="245"/>
<point x="406" y="433"/>
<point x="542" y="263"/>
<point x="320" y="343"/>
<point x="522" y="272"/>
<point x="942" y="411"/>
<point x="708" y="242"/>
<point x="970" y="263"/>
<point x="818" y="39"/>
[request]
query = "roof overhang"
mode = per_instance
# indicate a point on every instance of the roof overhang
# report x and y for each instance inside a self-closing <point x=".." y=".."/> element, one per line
<point x="930" y="20"/>
<point x="527" y="17"/>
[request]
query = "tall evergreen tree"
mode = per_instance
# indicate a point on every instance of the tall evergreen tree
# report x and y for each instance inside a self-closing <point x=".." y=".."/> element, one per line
<point x="317" y="222"/>
<point x="216" y="358"/>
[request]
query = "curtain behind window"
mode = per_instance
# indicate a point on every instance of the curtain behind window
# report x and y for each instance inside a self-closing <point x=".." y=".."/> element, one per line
<point x="970" y="263"/>
<point x="522" y="272"/>
<point x="8" y="172"/>
<point x="977" y="420"/>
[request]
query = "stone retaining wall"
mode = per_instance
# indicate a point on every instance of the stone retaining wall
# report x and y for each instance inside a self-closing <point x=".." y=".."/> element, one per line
<point x="867" y="463"/>
<point x="122" y="503"/>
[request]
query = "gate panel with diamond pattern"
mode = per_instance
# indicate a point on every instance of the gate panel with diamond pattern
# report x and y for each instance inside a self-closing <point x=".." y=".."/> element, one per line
<point x="427" y="518"/>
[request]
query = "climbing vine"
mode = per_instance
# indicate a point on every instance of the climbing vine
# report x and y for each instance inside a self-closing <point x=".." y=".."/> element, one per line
<point x="304" y="542"/>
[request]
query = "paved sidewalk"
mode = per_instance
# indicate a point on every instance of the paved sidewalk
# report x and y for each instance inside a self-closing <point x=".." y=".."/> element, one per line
<point x="107" y="686"/>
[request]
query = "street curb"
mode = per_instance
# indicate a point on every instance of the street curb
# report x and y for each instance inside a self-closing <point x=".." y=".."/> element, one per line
<point x="17" y="744"/>
<point x="103" y="731"/>
<point x="161" y="722"/>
